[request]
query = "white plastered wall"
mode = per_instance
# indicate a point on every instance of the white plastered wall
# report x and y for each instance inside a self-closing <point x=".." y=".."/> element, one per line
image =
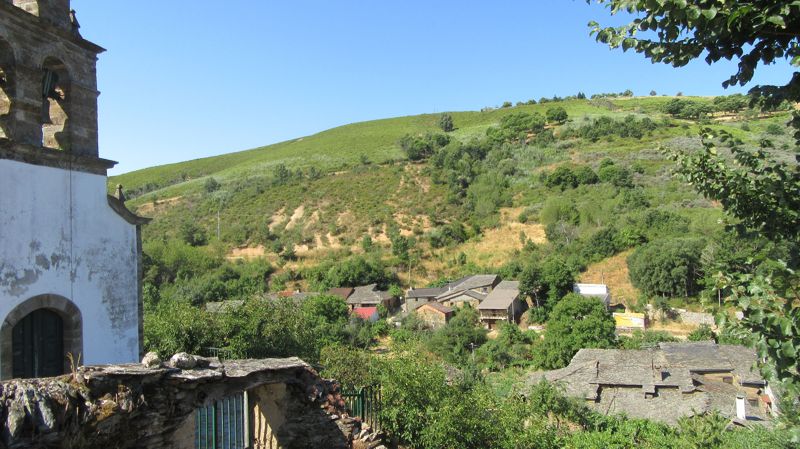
<point x="58" y="235"/>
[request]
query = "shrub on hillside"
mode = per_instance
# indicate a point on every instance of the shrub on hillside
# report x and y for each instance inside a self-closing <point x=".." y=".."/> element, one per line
<point x="211" y="185"/>
<point x="192" y="234"/>
<point x="584" y="175"/>
<point x="645" y="339"/>
<point x="350" y="272"/>
<point x="604" y="126"/>
<point x="667" y="268"/>
<point x="562" y="177"/>
<point x="516" y="127"/>
<point x="616" y="175"/>
<point x="452" y="233"/>
<point x="559" y="209"/>
<point x="446" y="122"/>
<point x="702" y="333"/>
<point x="557" y="115"/>
<point x="421" y="147"/>
<point x="576" y="322"/>
<point x="602" y="244"/>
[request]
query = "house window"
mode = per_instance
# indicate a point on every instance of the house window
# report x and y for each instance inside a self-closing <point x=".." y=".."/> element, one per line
<point x="221" y="425"/>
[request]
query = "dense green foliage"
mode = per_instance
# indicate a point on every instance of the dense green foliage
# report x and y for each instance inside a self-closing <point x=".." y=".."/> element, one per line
<point x="667" y="267"/>
<point x="576" y="322"/>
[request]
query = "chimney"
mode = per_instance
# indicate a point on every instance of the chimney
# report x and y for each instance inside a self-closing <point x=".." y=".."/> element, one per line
<point x="740" y="412"/>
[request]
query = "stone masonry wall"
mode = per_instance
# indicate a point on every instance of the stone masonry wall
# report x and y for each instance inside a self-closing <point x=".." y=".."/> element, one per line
<point x="131" y="406"/>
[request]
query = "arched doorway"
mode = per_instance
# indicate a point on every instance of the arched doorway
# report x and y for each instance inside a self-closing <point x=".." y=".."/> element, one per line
<point x="38" y="345"/>
<point x="37" y="335"/>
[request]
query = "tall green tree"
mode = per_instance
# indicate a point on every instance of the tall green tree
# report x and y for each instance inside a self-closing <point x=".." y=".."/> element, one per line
<point x="576" y="322"/>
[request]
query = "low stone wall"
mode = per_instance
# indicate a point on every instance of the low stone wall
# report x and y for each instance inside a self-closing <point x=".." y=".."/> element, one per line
<point x="132" y="406"/>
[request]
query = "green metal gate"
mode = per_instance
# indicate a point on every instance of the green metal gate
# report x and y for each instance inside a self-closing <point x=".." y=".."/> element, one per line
<point x="221" y="425"/>
<point x="365" y="403"/>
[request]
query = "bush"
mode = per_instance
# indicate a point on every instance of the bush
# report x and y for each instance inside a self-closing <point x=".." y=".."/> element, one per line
<point x="559" y="209"/>
<point x="584" y="175"/>
<point x="516" y="127"/>
<point x="557" y="115"/>
<point x="449" y="234"/>
<point x="618" y="176"/>
<point x="421" y="147"/>
<point x="702" y="333"/>
<point x="562" y="177"/>
<point x="211" y="185"/>
<point x="667" y="268"/>
<point x="576" y="322"/>
<point x="192" y="233"/>
<point x="775" y="129"/>
<point x="446" y="122"/>
<point x="454" y="342"/>
<point x="645" y="339"/>
<point x="603" y="126"/>
<point x="352" y="271"/>
<point x="603" y="243"/>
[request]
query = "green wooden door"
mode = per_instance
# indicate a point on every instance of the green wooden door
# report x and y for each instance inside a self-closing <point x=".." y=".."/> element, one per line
<point x="38" y="345"/>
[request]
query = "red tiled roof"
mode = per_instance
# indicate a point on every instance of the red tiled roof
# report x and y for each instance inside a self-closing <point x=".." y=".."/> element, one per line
<point x="365" y="313"/>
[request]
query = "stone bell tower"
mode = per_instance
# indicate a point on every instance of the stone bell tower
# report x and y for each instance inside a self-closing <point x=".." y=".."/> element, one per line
<point x="70" y="255"/>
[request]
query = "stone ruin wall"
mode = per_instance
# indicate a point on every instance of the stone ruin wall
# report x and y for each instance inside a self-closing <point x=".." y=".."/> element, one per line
<point x="132" y="406"/>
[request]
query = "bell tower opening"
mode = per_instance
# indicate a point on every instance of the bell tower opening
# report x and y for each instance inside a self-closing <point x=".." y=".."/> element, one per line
<point x="55" y="105"/>
<point x="55" y="12"/>
<point x="6" y="88"/>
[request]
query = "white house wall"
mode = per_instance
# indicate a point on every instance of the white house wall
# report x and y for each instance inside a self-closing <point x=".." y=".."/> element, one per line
<point x="58" y="235"/>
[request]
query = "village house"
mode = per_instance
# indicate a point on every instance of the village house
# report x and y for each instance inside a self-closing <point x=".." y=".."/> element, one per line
<point x="434" y="314"/>
<point x="370" y="296"/>
<point x="70" y="255"/>
<point x="469" y="290"/>
<point x="599" y="291"/>
<point x="415" y="297"/>
<point x="503" y="304"/>
<point x="669" y="382"/>
<point x="342" y="292"/>
<point x="367" y="313"/>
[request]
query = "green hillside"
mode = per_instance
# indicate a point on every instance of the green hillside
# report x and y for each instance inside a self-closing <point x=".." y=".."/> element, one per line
<point x="300" y="203"/>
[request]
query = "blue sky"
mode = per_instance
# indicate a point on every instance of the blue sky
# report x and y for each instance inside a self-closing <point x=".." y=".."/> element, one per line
<point x="186" y="79"/>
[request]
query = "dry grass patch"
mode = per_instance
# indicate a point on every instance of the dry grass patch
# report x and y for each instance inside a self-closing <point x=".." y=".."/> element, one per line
<point x="296" y="216"/>
<point x="158" y="205"/>
<point x="277" y="218"/>
<point x="498" y="245"/>
<point x="614" y="273"/>
<point x="249" y="253"/>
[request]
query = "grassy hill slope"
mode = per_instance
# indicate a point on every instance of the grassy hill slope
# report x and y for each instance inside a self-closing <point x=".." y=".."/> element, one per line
<point x="322" y="194"/>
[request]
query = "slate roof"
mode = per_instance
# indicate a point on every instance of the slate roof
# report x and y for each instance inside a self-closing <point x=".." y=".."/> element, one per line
<point x="343" y="292"/>
<point x="476" y="281"/>
<point x="224" y="306"/>
<point x="618" y="381"/>
<point x="425" y="292"/>
<point x="438" y="307"/>
<point x="499" y="299"/>
<point x="456" y="293"/>
<point x="368" y="294"/>
<point x="508" y="285"/>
